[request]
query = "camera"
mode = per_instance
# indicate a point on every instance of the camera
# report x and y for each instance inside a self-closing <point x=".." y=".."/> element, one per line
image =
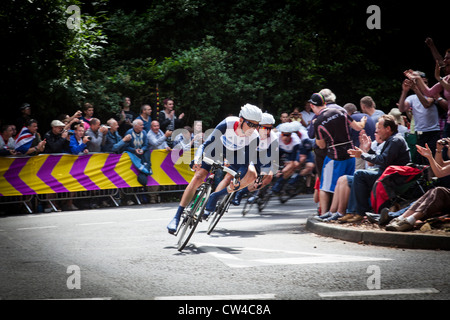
<point x="443" y="142"/>
<point x="89" y="138"/>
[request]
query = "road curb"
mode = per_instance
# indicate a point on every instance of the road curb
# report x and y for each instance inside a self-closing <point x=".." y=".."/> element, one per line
<point x="389" y="239"/>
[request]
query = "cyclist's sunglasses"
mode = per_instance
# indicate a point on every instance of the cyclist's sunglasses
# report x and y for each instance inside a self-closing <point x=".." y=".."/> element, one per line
<point x="287" y="134"/>
<point x="266" y="128"/>
<point x="251" y="124"/>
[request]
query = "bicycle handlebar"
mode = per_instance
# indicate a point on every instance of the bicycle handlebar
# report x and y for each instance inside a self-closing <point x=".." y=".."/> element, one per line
<point x="224" y="168"/>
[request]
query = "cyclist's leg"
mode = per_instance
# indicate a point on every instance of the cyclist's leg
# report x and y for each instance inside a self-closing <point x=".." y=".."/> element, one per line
<point x="309" y="164"/>
<point x="189" y="192"/>
<point x="220" y="191"/>
<point x="249" y="175"/>
<point x="248" y="189"/>
<point x="267" y="179"/>
<point x="196" y="181"/>
<point x="288" y="170"/>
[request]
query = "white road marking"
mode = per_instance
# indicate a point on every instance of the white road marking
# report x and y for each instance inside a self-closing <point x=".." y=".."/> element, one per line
<point x="281" y="257"/>
<point x="221" y="297"/>
<point x="95" y="223"/>
<point x="34" y="228"/>
<point x="376" y="292"/>
<point x="98" y="298"/>
<point x="144" y="220"/>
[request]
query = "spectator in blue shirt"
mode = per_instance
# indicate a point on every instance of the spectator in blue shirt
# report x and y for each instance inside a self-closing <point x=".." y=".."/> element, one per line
<point x="158" y="139"/>
<point x="138" y="146"/>
<point x="114" y="143"/>
<point x="146" y="116"/>
<point x="78" y="141"/>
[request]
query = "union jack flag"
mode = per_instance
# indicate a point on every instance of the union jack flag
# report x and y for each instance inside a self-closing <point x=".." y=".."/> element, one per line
<point x="24" y="140"/>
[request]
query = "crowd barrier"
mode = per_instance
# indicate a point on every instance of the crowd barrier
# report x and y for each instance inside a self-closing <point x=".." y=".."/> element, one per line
<point x="65" y="176"/>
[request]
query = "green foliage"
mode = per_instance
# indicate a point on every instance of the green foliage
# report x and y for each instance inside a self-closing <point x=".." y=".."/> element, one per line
<point x="210" y="56"/>
<point x="198" y="79"/>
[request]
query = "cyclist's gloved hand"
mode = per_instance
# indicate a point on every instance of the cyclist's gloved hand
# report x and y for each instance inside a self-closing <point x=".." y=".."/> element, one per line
<point x="234" y="186"/>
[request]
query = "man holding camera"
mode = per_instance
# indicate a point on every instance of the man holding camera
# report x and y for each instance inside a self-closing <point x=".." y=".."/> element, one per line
<point x="97" y="132"/>
<point x="425" y="112"/>
<point x="78" y="141"/>
<point x="168" y="120"/>
<point x="57" y="138"/>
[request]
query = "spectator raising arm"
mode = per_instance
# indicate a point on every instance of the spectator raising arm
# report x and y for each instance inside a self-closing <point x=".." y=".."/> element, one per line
<point x="440" y="170"/>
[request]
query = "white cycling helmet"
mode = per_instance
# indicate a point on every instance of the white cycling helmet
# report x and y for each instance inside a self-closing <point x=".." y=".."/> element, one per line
<point x="285" y="127"/>
<point x="296" y="126"/>
<point x="251" y="112"/>
<point x="267" y="118"/>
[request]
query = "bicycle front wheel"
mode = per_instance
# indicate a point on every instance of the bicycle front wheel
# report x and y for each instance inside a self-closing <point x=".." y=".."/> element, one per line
<point x="192" y="215"/>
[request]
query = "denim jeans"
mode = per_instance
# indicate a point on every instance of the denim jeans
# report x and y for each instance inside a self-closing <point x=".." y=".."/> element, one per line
<point x="400" y="212"/>
<point x="363" y="181"/>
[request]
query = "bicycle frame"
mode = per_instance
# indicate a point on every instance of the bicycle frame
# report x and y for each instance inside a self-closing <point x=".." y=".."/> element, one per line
<point x="192" y="214"/>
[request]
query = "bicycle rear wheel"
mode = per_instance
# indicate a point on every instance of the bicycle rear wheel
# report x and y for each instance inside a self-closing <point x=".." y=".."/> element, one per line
<point x="264" y="197"/>
<point x="192" y="215"/>
<point x="288" y="192"/>
<point x="221" y="209"/>
<point x="248" y="205"/>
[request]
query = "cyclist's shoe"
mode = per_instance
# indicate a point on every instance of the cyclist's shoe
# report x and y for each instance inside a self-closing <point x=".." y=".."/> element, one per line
<point x="206" y="214"/>
<point x="238" y="197"/>
<point x="293" y="179"/>
<point x="251" y="199"/>
<point x="278" y="185"/>
<point x="173" y="225"/>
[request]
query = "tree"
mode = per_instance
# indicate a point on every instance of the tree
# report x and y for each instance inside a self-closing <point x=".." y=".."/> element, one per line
<point x="210" y="56"/>
<point x="44" y="56"/>
<point x="199" y="81"/>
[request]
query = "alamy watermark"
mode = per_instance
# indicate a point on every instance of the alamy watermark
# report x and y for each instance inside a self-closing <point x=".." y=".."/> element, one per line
<point x="231" y="147"/>
<point x="74" y="280"/>
<point x="374" y="20"/>
<point x="74" y="21"/>
<point x="374" y="280"/>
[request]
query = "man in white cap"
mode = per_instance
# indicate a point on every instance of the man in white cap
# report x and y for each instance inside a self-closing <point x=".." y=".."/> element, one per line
<point x="57" y="138"/>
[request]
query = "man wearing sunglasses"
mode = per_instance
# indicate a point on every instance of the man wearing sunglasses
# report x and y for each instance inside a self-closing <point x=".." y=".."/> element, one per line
<point x="268" y="157"/>
<point x="235" y="139"/>
<point x="290" y="144"/>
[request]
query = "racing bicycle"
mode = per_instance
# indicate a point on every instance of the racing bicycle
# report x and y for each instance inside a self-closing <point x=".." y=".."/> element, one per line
<point x="193" y="212"/>
<point x="260" y="197"/>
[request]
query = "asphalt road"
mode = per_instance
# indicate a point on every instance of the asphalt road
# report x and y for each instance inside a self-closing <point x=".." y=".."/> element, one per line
<point x="126" y="253"/>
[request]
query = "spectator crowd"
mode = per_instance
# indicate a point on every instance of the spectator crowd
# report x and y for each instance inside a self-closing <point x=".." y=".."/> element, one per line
<point x="84" y="133"/>
<point x="348" y="149"/>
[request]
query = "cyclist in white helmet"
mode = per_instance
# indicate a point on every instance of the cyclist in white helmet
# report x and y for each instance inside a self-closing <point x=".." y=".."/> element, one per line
<point x="268" y="157"/>
<point x="234" y="139"/>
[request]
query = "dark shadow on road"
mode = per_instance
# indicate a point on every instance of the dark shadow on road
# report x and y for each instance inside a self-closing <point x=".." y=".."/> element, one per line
<point x="220" y="233"/>
<point x="190" y="249"/>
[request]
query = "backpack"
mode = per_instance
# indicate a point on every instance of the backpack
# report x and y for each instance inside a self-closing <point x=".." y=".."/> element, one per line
<point x="395" y="181"/>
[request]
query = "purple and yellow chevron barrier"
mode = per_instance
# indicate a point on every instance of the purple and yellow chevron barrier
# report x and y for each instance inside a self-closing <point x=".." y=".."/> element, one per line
<point x="57" y="173"/>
